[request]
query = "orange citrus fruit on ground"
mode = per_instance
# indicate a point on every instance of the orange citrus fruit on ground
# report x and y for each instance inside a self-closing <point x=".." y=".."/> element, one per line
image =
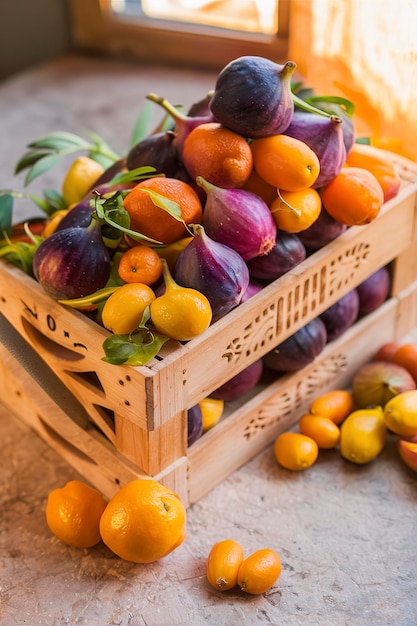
<point x="259" y="571"/>
<point x="285" y="162"/>
<point x="123" y="310"/>
<point x="223" y="563"/>
<point x="295" y="211"/>
<point x="336" y="405"/>
<point x="151" y="220"/>
<point x="322" y="429"/>
<point x="378" y="163"/>
<point x="219" y="155"/>
<point x="400" y="414"/>
<point x="143" y="522"/>
<point x="295" y="451"/>
<point x="354" y="197"/>
<point x="73" y="514"/>
<point x="140" y="264"/>
<point x="80" y="177"/>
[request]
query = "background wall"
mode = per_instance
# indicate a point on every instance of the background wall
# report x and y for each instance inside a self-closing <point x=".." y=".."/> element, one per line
<point x="32" y="31"/>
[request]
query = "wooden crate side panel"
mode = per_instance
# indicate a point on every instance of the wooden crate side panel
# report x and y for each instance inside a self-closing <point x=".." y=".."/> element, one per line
<point x="257" y="423"/>
<point x="250" y="331"/>
<point x="71" y="345"/>
<point x="406" y="310"/>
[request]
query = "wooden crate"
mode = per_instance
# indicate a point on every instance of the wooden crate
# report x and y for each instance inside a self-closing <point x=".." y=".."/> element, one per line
<point x="116" y="422"/>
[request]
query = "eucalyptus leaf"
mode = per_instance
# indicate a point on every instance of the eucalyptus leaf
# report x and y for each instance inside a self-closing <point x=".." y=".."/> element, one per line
<point x="139" y="173"/>
<point x="54" y="199"/>
<point x="29" y="158"/>
<point x="344" y="103"/>
<point x="40" y="167"/>
<point x="102" y="146"/>
<point x="171" y="207"/>
<point x="6" y="212"/>
<point x="60" y="140"/>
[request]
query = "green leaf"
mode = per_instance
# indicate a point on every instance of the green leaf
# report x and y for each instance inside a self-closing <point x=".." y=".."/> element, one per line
<point x="29" y="158"/>
<point x="139" y="173"/>
<point x="138" y="348"/>
<point x="40" y="167"/>
<point x="104" y="160"/>
<point x="20" y="254"/>
<point x="6" y="212"/>
<point x="171" y="207"/>
<point x="59" y="141"/>
<point x="142" y="125"/>
<point x="102" y="146"/>
<point x="344" y="103"/>
<point x="54" y="199"/>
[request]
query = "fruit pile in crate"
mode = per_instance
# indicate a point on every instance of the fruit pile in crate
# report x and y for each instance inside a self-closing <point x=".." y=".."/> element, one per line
<point x="181" y="290"/>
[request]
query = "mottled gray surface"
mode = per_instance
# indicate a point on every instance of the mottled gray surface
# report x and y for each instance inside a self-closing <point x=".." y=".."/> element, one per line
<point x="346" y="534"/>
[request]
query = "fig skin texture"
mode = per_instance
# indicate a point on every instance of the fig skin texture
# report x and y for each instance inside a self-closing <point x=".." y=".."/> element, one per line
<point x="341" y="315"/>
<point x="375" y="383"/>
<point x="300" y="349"/>
<point x="240" y="384"/>
<point x="374" y="291"/>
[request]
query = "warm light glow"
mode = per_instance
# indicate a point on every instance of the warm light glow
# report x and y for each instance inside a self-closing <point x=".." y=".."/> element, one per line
<point x="260" y="16"/>
<point x="365" y="51"/>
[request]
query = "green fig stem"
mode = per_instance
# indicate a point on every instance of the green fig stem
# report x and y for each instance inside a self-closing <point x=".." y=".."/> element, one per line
<point x="169" y="108"/>
<point x="302" y="104"/>
<point x="167" y="276"/>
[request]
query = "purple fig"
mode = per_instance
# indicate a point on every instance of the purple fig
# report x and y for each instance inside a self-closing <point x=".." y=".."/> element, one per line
<point x="300" y="349"/>
<point x="156" y="151"/>
<point x="324" y="136"/>
<point x="374" y="290"/>
<point x="184" y="124"/>
<point x="253" y="288"/>
<point x="72" y="263"/>
<point x="79" y="215"/>
<point x="341" y="315"/>
<point x="215" y="270"/>
<point x="241" y="383"/>
<point x="252" y="96"/>
<point x="324" y="230"/>
<point x="240" y="219"/>
<point x="194" y="423"/>
<point x="288" y="251"/>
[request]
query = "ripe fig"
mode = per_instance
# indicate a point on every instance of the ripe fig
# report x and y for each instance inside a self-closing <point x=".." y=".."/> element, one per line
<point x="240" y="219"/>
<point x="373" y="291"/>
<point x="375" y="383"/>
<point x="341" y="315"/>
<point x="324" y="136"/>
<point x="287" y="252"/>
<point x="79" y="215"/>
<point x="215" y="270"/>
<point x="252" y="96"/>
<point x="324" y="230"/>
<point x="194" y="423"/>
<point x="300" y="349"/>
<point x="157" y="151"/>
<point x="240" y="384"/>
<point x="72" y="263"/>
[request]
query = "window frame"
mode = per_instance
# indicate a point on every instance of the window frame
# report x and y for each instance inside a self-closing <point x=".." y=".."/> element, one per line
<point x="95" y="28"/>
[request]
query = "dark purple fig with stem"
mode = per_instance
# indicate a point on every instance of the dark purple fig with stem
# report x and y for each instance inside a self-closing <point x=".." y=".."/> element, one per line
<point x="72" y="263"/>
<point x="253" y="97"/>
<point x="287" y="253"/>
<point x="324" y="136"/>
<point x="238" y="218"/>
<point x="79" y="215"/>
<point x="184" y="123"/>
<point x="215" y="270"/>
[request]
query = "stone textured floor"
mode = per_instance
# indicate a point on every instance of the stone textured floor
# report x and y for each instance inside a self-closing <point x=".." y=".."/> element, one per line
<point x="346" y="534"/>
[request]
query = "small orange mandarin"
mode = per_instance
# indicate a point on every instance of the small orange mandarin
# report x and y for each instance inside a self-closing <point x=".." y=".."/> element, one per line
<point x="150" y="219"/>
<point x="219" y="155"/>
<point x="285" y="162"/>
<point x="259" y="571"/>
<point x="140" y="264"/>
<point x="336" y="405"/>
<point x="324" y="432"/>
<point x="260" y="187"/>
<point x="73" y="514"/>
<point x="295" y="451"/>
<point x="223" y="563"/>
<point x="354" y="197"/>
<point x="295" y="211"/>
<point x="144" y="521"/>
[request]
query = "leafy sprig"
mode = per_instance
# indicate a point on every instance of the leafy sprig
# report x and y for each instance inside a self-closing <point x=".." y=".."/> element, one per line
<point x="46" y="151"/>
